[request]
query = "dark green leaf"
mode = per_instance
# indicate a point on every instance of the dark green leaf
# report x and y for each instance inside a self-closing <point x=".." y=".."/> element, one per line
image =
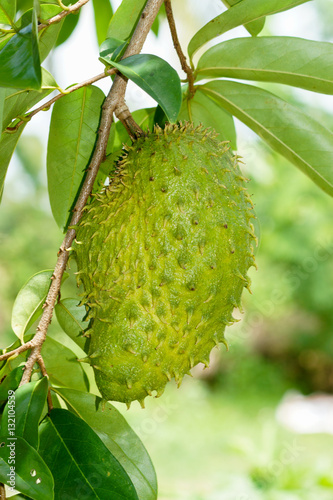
<point x="124" y="20"/>
<point x="287" y="129"/>
<point x="71" y="319"/>
<point x="254" y="27"/>
<point x="103" y="13"/>
<point x="292" y="61"/>
<point x="19" y="59"/>
<point x="72" y="135"/>
<point x="118" y="437"/>
<point x="81" y="464"/>
<point x="10" y="383"/>
<point x="7" y="12"/>
<point x="62" y="366"/>
<point x="204" y="109"/>
<point x="28" y="402"/>
<point x="30" y="474"/>
<point x="156" y="77"/>
<point x="112" y="48"/>
<point x="241" y="13"/>
<point x="29" y="301"/>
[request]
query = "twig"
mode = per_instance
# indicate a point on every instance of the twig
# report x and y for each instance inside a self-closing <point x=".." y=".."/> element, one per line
<point x="42" y="367"/>
<point x="61" y="15"/>
<point x="185" y="67"/>
<point x="49" y="103"/>
<point x="114" y="98"/>
<point x="2" y="492"/>
<point x="124" y="115"/>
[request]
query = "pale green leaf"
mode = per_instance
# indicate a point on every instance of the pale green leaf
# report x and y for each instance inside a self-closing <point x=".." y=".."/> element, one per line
<point x="254" y="27"/>
<point x="286" y="128"/>
<point x="241" y="13"/>
<point x="72" y="136"/>
<point x="125" y="18"/>
<point x="7" y="12"/>
<point x="291" y="61"/>
<point x="103" y="13"/>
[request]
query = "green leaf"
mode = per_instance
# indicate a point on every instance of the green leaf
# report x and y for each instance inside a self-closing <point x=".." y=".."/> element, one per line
<point x="2" y="102"/>
<point x="10" y="383"/>
<point x="241" y="13"/>
<point x="62" y="366"/>
<point x="30" y="474"/>
<point x="288" y="60"/>
<point x="156" y="77"/>
<point x="49" y="36"/>
<point x="23" y="411"/>
<point x="71" y="319"/>
<point x="29" y="301"/>
<point x="118" y="437"/>
<point x="125" y="18"/>
<point x="204" y="109"/>
<point x="7" y="12"/>
<point x="68" y="26"/>
<point x="286" y="128"/>
<point x="81" y="464"/>
<point x="8" y="144"/>
<point x="254" y="27"/>
<point x="72" y="136"/>
<point x="19" y="59"/>
<point x="103" y="13"/>
<point x="112" y="49"/>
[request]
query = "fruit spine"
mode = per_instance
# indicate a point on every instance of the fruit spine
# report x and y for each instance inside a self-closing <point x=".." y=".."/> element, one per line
<point x="163" y="256"/>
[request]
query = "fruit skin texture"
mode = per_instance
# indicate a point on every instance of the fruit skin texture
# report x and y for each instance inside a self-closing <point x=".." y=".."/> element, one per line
<point x="163" y="254"/>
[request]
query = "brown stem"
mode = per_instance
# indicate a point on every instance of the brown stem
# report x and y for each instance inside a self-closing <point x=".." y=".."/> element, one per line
<point x="124" y="115"/>
<point x="185" y="67"/>
<point x="61" y="15"/>
<point x="49" y="103"/>
<point x="2" y="492"/>
<point x="42" y="367"/>
<point x="17" y="351"/>
<point x="114" y="98"/>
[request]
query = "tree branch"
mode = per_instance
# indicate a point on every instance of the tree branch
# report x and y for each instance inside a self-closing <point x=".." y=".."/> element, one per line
<point x="49" y="103"/>
<point x="61" y="15"/>
<point x="185" y="67"/>
<point x="115" y="97"/>
<point x="2" y="492"/>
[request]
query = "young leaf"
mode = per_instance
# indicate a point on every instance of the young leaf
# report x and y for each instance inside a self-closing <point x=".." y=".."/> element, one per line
<point x="62" y="366"/>
<point x="124" y="20"/>
<point x="117" y="436"/>
<point x="241" y="13"/>
<point x="29" y="401"/>
<point x="288" y="60"/>
<point x="19" y="59"/>
<point x="254" y="27"/>
<point x="287" y="129"/>
<point x="81" y="464"/>
<point x="204" y="109"/>
<point x="103" y="13"/>
<point x="10" y="383"/>
<point x="31" y="475"/>
<point x="7" y="12"/>
<point x="72" y="135"/>
<point x="156" y="77"/>
<point x="71" y="319"/>
<point x="29" y="301"/>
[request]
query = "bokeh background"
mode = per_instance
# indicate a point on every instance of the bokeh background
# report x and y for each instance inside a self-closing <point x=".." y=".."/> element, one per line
<point x="258" y="424"/>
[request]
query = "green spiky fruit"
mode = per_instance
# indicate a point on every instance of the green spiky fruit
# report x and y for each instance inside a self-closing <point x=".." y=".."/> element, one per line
<point x="163" y="256"/>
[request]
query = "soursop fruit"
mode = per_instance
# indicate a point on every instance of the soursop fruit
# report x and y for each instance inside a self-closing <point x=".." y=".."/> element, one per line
<point x="163" y="256"/>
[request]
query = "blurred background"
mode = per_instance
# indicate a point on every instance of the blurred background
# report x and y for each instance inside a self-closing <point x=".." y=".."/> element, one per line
<point x="258" y="424"/>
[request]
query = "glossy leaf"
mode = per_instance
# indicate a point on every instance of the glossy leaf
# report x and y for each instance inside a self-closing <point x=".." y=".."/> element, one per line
<point x="241" y="13"/>
<point x="73" y="450"/>
<point x="71" y="319"/>
<point x="10" y="383"/>
<point x="112" y="48"/>
<point x="62" y="366"/>
<point x="125" y="18"/>
<point x="19" y="59"/>
<point x="32" y="476"/>
<point x="72" y="135"/>
<point x="254" y="27"/>
<point x="288" y="60"/>
<point x="103" y="13"/>
<point x="7" y="12"/>
<point x="29" y="401"/>
<point x="118" y="437"/>
<point x="286" y="128"/>
<point x="29" y="301"/>
<point x="156" y="77"/>
<point x="203" y="108"/>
